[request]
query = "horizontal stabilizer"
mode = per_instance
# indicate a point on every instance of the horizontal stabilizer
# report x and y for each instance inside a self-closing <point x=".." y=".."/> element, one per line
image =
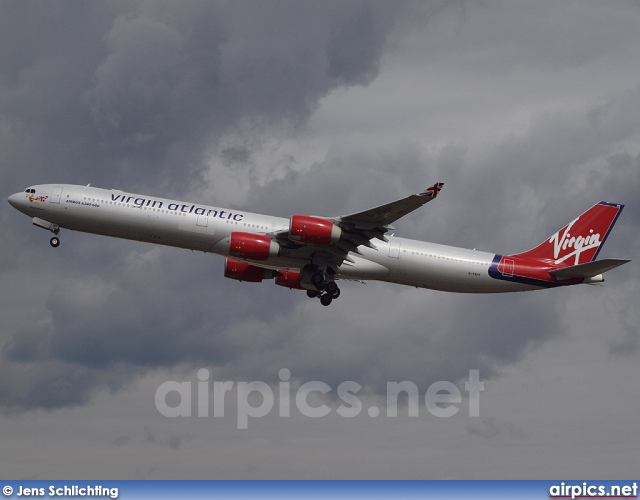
<point x="589" y="269"/>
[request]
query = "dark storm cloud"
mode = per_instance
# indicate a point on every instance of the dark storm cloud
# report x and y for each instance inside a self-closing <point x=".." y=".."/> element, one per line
<point x="621" y="175"/>
<point x="418" y="342"/>
<point x="157" y="86"/>
<point x="530" y="185"/>
<point x="349" y="182"/>
<point x="137" y="93"/>
<point x="109" y="91"/>
<point x="536" y="181"/>
<point x="158" y="313"/>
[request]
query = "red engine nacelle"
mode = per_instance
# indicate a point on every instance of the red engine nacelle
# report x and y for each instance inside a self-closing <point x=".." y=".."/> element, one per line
<point x="242" y="271"/>
<point x="313" y="230"/>
<point x="252" y="246"/>
<point x="290" y="279"/>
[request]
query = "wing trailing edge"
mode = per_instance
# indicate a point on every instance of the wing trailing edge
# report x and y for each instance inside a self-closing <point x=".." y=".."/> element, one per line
<point x="382" y="216"/>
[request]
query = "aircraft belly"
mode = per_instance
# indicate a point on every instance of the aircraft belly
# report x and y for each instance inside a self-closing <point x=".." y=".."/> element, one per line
<point x="139" y="225"/>
<point x="439" y="267"/>
<point x="443" y="274"/>
<point x="363" y="269"/>
<point x="452" y="276"/>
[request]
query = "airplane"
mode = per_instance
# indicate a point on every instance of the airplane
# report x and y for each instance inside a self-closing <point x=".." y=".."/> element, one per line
<point x="311" y="253"/>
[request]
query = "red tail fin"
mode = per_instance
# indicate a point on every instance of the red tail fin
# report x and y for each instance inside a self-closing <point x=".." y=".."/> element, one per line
<point x="579" y="241"/>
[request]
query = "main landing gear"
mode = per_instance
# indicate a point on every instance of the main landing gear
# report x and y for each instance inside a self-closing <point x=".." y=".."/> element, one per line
<point x="326" y="290"/>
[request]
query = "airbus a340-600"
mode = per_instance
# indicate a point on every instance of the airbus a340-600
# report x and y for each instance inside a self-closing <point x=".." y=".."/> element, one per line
<point x="312" y="253"/>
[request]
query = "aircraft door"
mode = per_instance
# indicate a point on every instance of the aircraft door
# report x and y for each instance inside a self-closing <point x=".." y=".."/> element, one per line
<point x="202" y="221"/>
<point x="55" y="195"/>
<point x="394" y="250"/>
<point x="506" y="267"/>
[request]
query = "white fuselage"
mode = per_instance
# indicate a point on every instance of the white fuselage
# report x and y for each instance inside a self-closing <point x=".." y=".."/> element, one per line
<point x="207" y="228"/>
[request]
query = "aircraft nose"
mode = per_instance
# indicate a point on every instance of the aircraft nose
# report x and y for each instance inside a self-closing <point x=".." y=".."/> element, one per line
<point x="14" y="199"/>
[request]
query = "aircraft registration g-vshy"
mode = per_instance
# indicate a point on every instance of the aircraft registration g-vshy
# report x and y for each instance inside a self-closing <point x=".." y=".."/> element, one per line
<point x="311" y="252"/>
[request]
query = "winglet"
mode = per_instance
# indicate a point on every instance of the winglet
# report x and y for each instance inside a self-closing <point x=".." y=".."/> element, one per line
<point x="433" y="191"/>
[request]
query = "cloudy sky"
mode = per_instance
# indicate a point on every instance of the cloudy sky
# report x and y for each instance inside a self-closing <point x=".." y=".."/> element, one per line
<point x="528" y="111"/>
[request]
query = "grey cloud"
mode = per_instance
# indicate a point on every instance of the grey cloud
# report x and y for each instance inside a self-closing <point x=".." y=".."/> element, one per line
<point x="173" y="441"/>
<point x="139" y="91"/>
<point x="481" y="39"/>
<point x="52" y="384"/>
<point x="627" y="346"/>
<point x="491" y="428"/>
<point x="121" y="440"/>
<point x="235" y="154"/>
<point x="346" y="183"/>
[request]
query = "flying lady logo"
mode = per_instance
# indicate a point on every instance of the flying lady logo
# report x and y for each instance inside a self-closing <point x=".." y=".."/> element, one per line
<point x="37" y="200"/>
<point x="578" y="244"/>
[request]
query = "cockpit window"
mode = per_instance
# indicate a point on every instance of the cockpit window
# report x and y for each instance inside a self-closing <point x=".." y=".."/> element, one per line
<point x="30" y="190"/>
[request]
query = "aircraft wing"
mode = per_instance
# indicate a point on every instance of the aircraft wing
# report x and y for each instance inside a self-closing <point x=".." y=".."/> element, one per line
<point x="362" y="227"/>
<point x="386" y="214"/>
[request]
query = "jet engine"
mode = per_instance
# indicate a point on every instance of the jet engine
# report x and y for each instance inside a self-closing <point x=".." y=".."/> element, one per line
<point x="252" y="246"/>
<point x="289" y="279"/>
<point x="242" y="271"/>
<point x="313" y="230"/>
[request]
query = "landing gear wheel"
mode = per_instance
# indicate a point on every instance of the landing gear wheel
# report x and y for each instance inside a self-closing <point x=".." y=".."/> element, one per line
<point x="332" y="289"/>
<point x="312" y="294"/>
<point x="317" y="280"/>
<point x="325" y="300"/>
<point x="54" y="242"/>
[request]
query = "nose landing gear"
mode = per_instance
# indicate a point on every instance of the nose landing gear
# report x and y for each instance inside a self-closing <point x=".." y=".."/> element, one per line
<point x="55" y="240"/>
<point x="54" y="228"/>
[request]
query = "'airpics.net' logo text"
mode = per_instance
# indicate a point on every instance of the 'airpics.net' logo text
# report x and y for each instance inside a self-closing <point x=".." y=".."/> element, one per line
<point x="257" y="399"/>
